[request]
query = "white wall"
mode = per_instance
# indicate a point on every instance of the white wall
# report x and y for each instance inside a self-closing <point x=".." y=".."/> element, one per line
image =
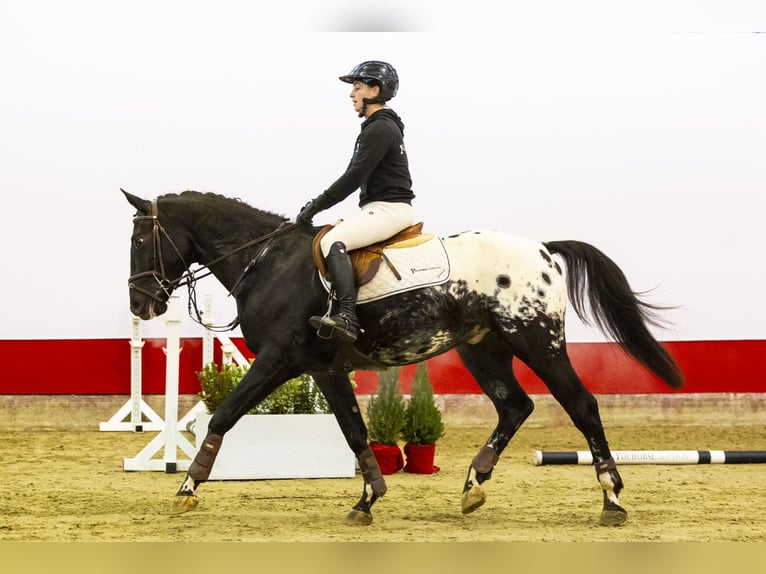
<point x="638" y="128"/>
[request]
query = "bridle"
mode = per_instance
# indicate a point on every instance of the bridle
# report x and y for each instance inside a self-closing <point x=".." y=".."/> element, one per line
<point x="189" y="277"/>
<point x="158" y="273"/>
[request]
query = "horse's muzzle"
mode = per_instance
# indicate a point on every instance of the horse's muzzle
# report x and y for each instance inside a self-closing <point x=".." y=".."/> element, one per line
<point x="146" y="307"/>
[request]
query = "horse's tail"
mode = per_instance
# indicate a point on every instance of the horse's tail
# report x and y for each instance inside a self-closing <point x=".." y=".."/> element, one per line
<point x="593" y="279"/>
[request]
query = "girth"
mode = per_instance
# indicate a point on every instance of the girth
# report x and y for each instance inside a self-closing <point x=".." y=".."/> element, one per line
<point x="366" y="260"/>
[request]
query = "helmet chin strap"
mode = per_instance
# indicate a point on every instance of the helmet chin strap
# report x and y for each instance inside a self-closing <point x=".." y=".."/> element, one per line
<point x="366" y="102"/>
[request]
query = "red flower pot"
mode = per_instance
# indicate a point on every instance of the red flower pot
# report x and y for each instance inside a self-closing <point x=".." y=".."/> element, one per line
<point x="389" y="457"/>
<point x="420" y="458"/>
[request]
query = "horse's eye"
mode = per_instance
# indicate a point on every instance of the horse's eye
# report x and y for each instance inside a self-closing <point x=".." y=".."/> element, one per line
<point x="138" y="242"/>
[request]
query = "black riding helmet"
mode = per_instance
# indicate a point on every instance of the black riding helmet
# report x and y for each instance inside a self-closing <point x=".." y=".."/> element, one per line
<point x="375" y="73"/>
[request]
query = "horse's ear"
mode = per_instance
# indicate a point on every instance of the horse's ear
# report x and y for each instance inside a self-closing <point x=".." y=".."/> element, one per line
<point x="141" y="205"/>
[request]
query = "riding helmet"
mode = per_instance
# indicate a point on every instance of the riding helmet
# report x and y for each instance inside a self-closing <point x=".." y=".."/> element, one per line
<point x="378" y="73"/>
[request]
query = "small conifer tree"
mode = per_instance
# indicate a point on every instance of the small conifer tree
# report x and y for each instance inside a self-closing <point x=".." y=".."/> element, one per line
<point x="385" y="411"/>
<point x="422" y="418"/>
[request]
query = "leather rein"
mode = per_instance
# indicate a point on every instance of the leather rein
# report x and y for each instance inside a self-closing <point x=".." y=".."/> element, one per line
<point x="190" y="276"/>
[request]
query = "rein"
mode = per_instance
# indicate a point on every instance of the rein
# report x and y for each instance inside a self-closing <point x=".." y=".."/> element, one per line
<point x="189" y="277"/>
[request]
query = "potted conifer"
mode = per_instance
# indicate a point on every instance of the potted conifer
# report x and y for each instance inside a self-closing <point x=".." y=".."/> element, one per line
<point x="385" y="417"/>
<point x="422" y="425"/>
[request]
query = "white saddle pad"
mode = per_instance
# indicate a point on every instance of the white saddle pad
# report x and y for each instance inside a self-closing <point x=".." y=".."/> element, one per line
<point x="420" y="266"/>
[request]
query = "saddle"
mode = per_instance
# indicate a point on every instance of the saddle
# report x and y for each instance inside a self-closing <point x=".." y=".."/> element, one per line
<point x="367" y="260"/>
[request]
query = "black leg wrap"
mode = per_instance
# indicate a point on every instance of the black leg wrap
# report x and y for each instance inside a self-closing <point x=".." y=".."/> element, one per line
<point x="609" y="466"/>
<point x="371" y="472"/>
<point x="202" y="464"/>
<point x="605" y="466"/>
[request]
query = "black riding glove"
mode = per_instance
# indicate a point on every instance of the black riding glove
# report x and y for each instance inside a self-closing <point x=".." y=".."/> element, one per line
<point x="319" y="203"/>
<point x="307" y="213"/>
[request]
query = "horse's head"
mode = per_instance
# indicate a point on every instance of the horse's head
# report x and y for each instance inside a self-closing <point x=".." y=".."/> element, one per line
<point x="156" y="263"/>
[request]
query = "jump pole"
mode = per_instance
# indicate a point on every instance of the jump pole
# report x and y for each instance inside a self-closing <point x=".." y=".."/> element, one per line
<point x="584" y="457"/>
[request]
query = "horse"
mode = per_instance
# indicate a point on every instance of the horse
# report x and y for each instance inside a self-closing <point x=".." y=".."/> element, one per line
<point x="505" y="298"/>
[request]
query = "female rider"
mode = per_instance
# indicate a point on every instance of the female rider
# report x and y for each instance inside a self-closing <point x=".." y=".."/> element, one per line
<point x="379" y="169"/>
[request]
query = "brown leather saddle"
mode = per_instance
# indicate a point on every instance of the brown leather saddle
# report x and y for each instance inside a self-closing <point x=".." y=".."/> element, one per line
<point x="367" y="260"/>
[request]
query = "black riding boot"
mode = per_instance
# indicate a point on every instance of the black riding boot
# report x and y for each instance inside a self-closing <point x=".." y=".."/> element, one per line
<point x="343" y="324"/>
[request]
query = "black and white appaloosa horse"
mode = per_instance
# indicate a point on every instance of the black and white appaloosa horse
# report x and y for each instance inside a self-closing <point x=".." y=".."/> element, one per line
<point x="506" y="297"/>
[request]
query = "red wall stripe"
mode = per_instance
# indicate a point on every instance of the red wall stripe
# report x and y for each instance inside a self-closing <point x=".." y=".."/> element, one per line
<point x="102" y="366"/>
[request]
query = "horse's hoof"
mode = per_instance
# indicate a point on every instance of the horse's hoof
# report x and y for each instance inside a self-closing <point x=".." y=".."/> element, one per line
<point x="184" y="504"/>
<point x="359" y="518"/>
<point x="473" y="499"/>
<point x="613" y="517"/>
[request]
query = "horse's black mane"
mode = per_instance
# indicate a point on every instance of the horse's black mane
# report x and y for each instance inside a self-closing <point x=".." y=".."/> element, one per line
<point x="231" y="203"/>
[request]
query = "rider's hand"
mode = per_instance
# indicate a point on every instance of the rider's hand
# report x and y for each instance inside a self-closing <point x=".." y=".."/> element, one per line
<point x="308" y="212"/>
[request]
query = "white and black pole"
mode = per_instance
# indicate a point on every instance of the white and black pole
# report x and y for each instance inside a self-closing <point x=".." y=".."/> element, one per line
<point x="541" y="458"/>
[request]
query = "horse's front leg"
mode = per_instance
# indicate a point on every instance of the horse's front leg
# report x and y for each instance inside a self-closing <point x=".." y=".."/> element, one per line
<point x="340" y="396"/>
<point x="259" y="381"/>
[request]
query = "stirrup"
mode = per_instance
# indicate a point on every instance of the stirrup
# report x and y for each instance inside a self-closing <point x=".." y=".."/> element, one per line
<point x="323" y="325"/>
<point x="338" y="326"/>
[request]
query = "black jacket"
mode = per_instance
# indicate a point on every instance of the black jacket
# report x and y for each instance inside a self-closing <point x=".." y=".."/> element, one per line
<point x="379" y="166"/>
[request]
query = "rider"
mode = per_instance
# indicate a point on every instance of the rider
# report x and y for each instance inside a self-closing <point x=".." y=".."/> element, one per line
<point x="379" y="168"/>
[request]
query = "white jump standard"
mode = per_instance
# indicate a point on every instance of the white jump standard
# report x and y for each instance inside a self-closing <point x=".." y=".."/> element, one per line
<point x="135" y="407"/>
<point x="170" y="438"/>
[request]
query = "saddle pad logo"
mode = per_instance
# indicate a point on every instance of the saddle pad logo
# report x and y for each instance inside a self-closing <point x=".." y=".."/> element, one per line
<point x="424" y="265"/>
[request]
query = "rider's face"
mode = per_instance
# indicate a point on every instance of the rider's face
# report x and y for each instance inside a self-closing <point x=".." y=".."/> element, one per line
<point x="360" y="91"/>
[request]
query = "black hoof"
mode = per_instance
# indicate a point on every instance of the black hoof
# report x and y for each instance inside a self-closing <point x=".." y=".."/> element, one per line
<point x="614" y="515"/>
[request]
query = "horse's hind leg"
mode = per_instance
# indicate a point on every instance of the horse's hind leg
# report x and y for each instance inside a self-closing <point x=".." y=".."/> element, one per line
<point x="490" y="361"/>
<point x="340" y="396"/>
<point x="557" y="373"/>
